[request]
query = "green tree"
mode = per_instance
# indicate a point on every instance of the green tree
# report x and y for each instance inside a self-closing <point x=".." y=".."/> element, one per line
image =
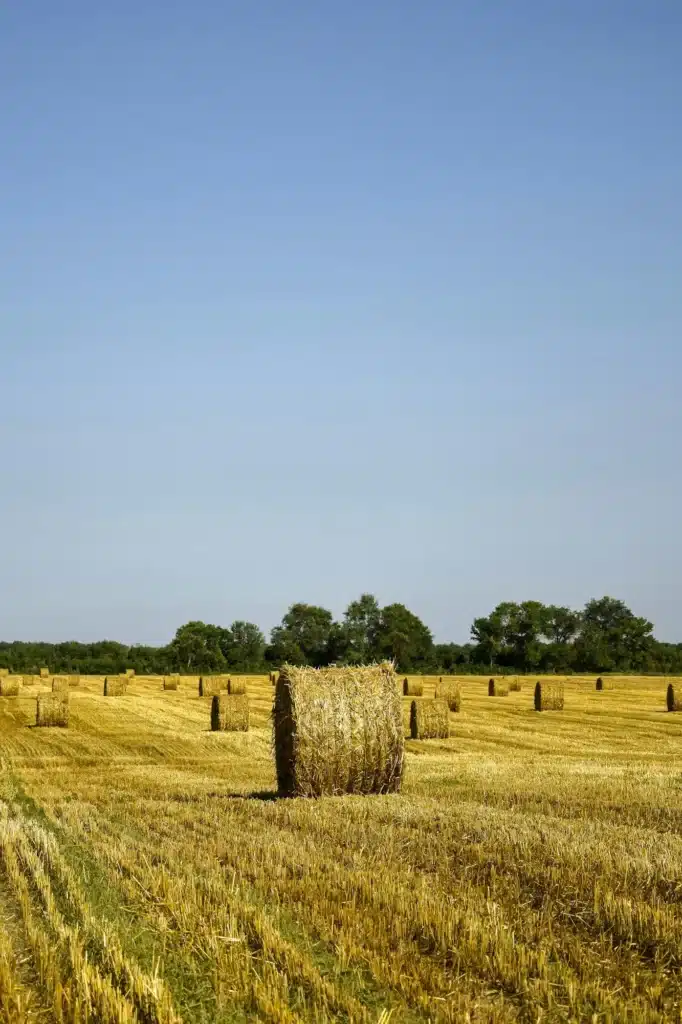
<point x="361" y="622"/>
<point x="494" y="634"/>
<point x="196" y="648"/>
<point x="613" y="638"/>
<point x="402" y="636"/>
<point x="303" y="636"/>
<point x="243" y="646"/>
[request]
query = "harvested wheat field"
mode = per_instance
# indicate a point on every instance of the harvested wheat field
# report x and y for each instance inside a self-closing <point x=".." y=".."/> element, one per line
<point x="529" y="869"/>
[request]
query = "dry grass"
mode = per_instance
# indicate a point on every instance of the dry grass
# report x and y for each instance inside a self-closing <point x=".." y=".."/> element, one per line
<point x="4" y="672"/>
<point x="449" y="690"/>
<point x="338" y="730"/>
<point x="115" y="686"/>
<point x="52" y="709"/>
<point x="412" y="687"/>
<point x="529" y="869"/>
<point x="230" y="712"/>
<point x="429" y="719"/>
<point x="10" y="686"/>
<point x="498" y="688"/>
<point x="549" y="696"/>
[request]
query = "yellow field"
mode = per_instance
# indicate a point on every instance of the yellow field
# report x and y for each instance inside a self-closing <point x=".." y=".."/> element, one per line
<point x="531" y="870"/>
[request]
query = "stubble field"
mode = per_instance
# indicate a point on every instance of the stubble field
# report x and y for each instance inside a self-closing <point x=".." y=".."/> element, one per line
<point x="531" y="869"/>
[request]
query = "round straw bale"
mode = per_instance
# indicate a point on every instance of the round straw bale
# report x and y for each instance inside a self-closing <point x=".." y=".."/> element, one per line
<point x="130" y="672"/>
<point x="52" y="709"/>
<point x="44" y="673"/>
<point x="115" y="686"/>
<point x="338" y="730"/>
<point x="60" y="684"/>
<point x="515" y="685"/>
<point x="170" y="682"/>
<point x="413" y="687"/>
<point x="673" y="698"/>
<point x="230" y="712"/>
<point x="210" y="685"/>
<point x="549" y="696"/>
<point x="236" y="685"/>
<point x="449" y="691"/>
<point x="497" y="689"/>
<point x="74" y="680"/>
<point x="429" y="719"/>
<point x="9" y="686"/>
<point x="4" y="671"/>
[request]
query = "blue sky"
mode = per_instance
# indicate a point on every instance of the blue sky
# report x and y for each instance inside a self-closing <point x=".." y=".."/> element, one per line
<point x="304" y="300"/>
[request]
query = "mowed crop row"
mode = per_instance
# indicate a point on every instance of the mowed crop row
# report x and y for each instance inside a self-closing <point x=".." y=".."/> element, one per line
<point x="529" y="869"/>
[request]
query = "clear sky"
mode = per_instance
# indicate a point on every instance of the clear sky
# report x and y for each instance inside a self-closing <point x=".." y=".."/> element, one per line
<point x="300" y="300"/>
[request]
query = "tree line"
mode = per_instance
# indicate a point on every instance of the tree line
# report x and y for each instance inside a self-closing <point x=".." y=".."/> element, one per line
<point x="605" y="636"/>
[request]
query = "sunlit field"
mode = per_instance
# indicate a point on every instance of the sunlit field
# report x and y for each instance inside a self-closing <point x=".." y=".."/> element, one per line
<point x="530" y="870"/>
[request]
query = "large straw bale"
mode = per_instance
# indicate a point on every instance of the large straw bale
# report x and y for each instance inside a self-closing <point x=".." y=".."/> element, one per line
<point x="449" y="691"/>
<point x="549" y="696"/>
<point x="230" y="712"/>
<point x="171" y="682"/>
<point x="44" y="673"/>
<point x="52" y="709"/>
<point x="60" y="684"/>
<point x="115" y="686"/>
<point x="236" y="685"/>
<point x="515" y="685"/>
<point x="673" y="698"/>
<point x="210" y="685"/>
<point x="338" y="730"/>
<point x="429" y="719"/>
<point x="412" y="687"/>
<point x="497" y="688"/>
<point x="10" y="685"/>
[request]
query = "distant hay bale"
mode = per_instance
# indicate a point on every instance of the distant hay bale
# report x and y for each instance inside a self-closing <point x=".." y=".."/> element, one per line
<point x="338" y="730"/>
<point x="74" y="680"/>
<point x="673" y="698"/>
<point x="603" y="684"/>
<point x="236" y="686"/>
<point x="549" y="696"/>
<point x="29" y="680"/>
<point x="230" y="712"/>
<point x="4" y="671"/>
<point x="60" y="684"/>
<point x="412" y="687"/>
<point x="210" y="685"/>
<point x="130" y="672"/>
<point x="10" y="686"/>
<point x="497" y="689"/>
<point x="170" y="682"/>
<point x="515" y="686"/>
<point x="115" y="686"/>
<point x="52" y="709"/>
<point x="429" y="720"/>
<point x="44" y="673"/>
<point x="450" y="692"/>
